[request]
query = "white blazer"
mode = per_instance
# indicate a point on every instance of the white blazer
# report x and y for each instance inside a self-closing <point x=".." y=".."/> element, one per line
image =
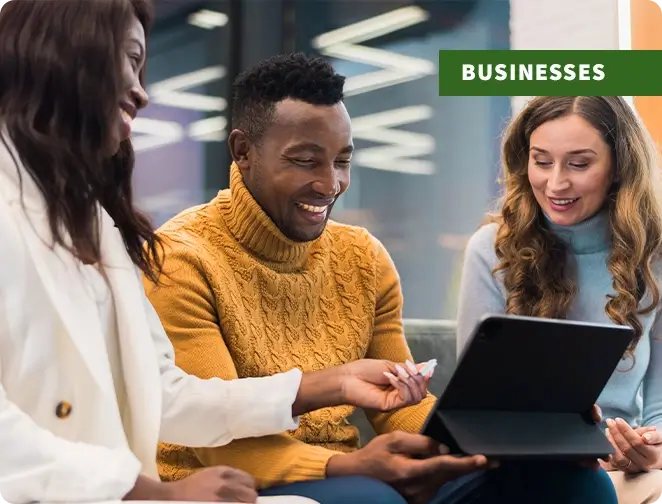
<point x="61" y="435"/>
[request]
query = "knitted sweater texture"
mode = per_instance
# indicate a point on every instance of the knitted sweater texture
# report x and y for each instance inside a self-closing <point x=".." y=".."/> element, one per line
<point x="241" y="300"/>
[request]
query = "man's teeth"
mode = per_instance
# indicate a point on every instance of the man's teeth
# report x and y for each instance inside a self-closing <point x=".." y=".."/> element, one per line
<point x="313" y="209"/>
<point x="563" y="201"/>
<point x="125" y="116"/>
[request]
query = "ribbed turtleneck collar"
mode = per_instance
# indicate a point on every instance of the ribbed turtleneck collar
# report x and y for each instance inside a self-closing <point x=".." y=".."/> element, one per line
<point x="255" y="231"/>
<point x="587" y="237"/>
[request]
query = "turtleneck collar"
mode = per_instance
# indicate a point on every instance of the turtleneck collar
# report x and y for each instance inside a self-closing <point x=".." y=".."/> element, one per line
<point x="254" y="230"/>
<point x="587" y="237"/>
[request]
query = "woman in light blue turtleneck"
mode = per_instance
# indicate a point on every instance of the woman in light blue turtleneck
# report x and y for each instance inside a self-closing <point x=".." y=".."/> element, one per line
<point x="579" y="236"/>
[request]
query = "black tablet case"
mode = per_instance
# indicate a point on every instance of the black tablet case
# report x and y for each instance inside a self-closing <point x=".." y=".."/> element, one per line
<point x="524" y="388"/>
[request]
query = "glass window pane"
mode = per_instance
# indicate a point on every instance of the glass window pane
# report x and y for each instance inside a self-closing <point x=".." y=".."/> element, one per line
<point x="425" y="167"/>
<point x="180" y="137"/>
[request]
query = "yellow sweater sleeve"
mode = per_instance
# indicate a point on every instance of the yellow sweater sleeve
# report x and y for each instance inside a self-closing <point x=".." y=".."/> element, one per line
<point x="388" y="342"/>
<point x="185" y="302"/>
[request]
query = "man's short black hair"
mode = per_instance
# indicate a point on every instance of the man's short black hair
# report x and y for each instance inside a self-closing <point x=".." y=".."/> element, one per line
<point x="297" y="76"/>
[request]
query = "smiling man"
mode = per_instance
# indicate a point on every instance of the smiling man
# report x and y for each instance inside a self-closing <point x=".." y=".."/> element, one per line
<point x="298" y="170"/>
<point x="260" y="280"/>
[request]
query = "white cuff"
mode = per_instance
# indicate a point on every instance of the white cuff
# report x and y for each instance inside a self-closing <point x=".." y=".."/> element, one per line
<point x="263" y="406"/>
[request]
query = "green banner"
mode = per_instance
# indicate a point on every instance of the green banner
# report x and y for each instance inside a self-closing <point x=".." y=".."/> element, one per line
<point x="550" y="73"/>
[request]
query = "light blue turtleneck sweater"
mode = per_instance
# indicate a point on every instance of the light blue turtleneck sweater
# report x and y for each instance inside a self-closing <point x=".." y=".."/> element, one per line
<point x="632" y="393"/>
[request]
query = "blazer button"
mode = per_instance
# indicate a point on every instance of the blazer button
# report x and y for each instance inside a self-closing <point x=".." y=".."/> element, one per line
<point x="63" y="409"/>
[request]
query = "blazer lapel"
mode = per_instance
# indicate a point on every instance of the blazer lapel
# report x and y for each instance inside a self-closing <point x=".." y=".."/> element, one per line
<point x="141" y="371"/>
<point x="55" y="266"/>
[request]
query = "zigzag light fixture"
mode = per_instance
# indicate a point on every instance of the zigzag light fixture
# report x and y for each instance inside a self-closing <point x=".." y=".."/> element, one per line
<point x="400" y="149"/>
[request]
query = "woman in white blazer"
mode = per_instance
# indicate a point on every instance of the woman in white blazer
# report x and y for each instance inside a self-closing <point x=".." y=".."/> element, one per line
<point x="88" y="385"/>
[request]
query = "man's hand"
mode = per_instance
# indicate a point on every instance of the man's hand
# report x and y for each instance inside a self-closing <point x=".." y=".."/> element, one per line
<point x="215" y="484"/>
<point x="383" y="385"/>
<point x="637" y="450"/>
<point x="389" y="458"/>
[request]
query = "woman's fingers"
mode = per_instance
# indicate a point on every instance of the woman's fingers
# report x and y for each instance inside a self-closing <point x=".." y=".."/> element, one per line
<point x="414" y="381"/>
<point x="411" y="380"/>
<point x="401" y="387"/>
<point x="597" y="414"/>
<point x="626" y="457"/>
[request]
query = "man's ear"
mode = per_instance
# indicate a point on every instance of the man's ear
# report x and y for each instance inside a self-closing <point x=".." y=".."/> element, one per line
<point x="240" y="147"/>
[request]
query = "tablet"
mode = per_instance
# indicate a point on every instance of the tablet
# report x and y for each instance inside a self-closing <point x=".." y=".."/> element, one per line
<point x="524" y="388"/>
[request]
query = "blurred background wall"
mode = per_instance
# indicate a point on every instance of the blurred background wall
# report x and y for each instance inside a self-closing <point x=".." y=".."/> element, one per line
<point x="426" y="167"/>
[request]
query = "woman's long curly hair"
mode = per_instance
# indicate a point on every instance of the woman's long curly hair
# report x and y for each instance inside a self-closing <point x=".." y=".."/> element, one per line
<point x="532" y="260"/>
<point x="60" y="89"/>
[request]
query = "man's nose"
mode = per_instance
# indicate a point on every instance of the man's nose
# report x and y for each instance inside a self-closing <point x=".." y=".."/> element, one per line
<point x="328" y="184"/>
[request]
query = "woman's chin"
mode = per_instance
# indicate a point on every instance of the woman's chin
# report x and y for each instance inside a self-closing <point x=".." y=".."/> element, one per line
<point x="113" y="147"/>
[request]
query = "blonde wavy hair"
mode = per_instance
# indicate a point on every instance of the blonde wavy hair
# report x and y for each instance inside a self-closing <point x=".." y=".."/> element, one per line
<point x="532" y="260"/>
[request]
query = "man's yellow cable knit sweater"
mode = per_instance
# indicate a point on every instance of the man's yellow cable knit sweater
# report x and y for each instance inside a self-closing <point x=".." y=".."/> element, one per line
<point x="241" y="300"/>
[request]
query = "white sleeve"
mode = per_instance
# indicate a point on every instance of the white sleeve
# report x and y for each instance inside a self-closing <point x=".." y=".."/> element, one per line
<point x="208" y="413"/>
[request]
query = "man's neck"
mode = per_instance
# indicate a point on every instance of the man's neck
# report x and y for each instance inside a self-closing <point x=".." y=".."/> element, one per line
<point x="255" y="231"/>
